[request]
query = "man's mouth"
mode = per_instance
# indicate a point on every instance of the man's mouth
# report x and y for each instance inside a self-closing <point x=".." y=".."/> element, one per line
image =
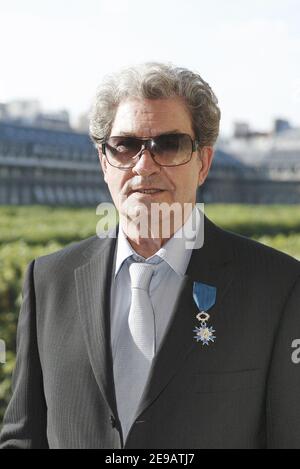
<point x="147" y="191"/>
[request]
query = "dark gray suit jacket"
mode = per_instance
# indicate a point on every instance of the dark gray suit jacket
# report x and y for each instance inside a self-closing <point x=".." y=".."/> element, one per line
<point x="243" y="391"/>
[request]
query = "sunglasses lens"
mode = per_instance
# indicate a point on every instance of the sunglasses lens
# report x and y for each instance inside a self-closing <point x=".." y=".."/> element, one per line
<point x="172" y="149"/>
<point x="167" y="150"/>
<point x="121" y="150"/>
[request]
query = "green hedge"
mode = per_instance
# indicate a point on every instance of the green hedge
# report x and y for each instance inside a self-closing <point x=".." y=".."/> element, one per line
<point x="14" y="258"/>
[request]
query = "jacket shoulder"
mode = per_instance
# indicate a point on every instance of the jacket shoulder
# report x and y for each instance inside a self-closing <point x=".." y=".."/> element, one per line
<point x="252" y="251"/>
<point x="72" y="255"/>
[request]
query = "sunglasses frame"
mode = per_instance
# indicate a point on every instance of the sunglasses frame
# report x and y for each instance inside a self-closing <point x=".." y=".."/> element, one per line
<point x="147" y="146"/>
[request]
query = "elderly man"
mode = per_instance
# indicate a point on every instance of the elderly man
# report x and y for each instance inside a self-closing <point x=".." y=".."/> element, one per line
<point x="154" y="339"/>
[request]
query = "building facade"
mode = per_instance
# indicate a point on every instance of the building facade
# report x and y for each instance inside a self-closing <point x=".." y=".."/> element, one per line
<point x="42" y="166"/>
<point x="55" y="167"/>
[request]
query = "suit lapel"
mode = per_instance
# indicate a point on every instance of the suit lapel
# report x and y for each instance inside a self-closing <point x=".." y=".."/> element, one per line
<point x="93" y="284"/>
<point x="212" y="265"/>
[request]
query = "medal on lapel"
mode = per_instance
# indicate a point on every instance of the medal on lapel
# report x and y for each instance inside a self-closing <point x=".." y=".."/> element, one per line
<point x="205" y="297"/>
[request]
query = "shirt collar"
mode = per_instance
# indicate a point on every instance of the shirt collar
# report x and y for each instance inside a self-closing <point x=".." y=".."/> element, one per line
<point x="174" y="251"/>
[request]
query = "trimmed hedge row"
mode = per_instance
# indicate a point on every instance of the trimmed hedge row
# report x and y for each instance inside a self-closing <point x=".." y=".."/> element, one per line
<point x="14" y="258"/>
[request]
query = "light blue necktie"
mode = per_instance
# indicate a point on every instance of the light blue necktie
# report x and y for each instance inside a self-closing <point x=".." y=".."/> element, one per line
<point x="136" y="346"/>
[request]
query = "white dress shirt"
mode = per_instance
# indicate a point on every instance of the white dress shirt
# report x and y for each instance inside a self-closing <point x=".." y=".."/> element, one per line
<point x="172" y="260"/>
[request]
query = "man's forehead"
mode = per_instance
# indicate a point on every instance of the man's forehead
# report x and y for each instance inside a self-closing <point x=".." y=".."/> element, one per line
<point x="153" y="116"/>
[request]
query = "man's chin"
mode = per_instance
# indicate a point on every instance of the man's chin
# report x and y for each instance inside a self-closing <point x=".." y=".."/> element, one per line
<point x="141" y="223"/>
<point x="147" y="196"/>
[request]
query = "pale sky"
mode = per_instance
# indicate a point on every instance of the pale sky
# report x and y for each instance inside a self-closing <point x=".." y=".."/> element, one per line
<point x="248" y="50"/>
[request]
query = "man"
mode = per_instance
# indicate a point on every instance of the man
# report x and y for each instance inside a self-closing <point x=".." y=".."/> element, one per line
<point x="143" y="341"/>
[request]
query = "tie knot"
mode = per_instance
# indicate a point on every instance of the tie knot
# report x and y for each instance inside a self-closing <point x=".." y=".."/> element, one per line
<point x="140" y="275"/>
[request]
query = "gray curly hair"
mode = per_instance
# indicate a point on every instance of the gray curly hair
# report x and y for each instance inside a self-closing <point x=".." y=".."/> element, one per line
<point x="153" y="80"/>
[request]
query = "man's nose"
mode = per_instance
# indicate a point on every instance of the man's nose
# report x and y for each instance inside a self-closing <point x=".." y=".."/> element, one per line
<point x="146" y="164"/>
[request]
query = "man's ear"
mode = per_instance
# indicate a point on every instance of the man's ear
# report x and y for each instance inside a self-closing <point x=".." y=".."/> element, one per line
<point x="206" y="156"/>
<point x="103" y="163"/>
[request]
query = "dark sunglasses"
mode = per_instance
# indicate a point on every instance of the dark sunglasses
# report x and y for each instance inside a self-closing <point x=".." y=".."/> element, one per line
<point x="166" y="149"/>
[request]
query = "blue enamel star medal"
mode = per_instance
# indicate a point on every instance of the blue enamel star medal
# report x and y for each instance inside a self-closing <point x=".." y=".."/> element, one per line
<point x="204" y="297"/>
